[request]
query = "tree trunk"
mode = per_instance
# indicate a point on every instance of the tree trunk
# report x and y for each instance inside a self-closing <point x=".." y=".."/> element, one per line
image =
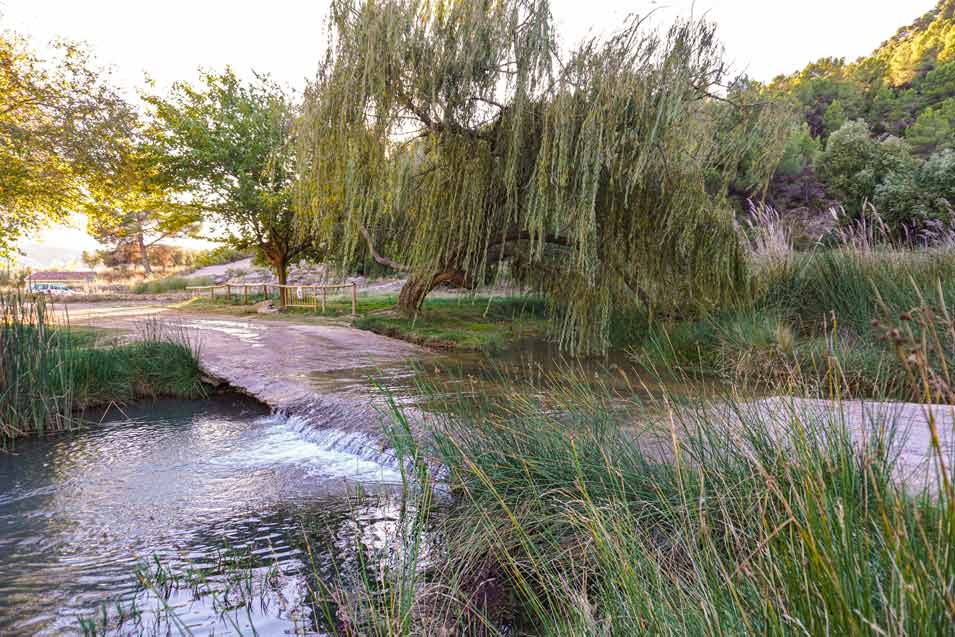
<point x="417" y="288"/>
<point x="144" y="254"/>
<point x="281" y="272"/>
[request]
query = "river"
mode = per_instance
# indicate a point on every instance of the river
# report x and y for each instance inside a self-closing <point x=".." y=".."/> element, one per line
<point x="181" y="481"/>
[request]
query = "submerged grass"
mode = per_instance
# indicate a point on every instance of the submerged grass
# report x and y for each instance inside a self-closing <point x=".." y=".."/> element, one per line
<point x="49" y="370"/>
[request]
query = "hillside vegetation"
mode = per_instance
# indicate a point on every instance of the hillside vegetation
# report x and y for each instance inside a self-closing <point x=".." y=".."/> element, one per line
<point x="879" y="131"/>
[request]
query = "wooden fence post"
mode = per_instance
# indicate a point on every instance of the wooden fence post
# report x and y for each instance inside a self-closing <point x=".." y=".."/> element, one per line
<point x="354" y="298"/>
<point x="324" y="297"/>
<point x="245" y="295"/>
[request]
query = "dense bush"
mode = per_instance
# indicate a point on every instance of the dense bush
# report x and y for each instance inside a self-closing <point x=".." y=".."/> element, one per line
<point x="917" y="198"/>
<point x="854" y="164"/>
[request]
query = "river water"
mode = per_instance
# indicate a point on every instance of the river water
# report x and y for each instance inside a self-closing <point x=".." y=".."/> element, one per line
<point x="184" y="482"/>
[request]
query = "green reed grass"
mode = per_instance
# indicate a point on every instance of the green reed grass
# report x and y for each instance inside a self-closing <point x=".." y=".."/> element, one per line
<point x="49" y="370"/>
<point x="620" y="517"/>
<point x="808" y="321"/>
<point x="36" y="388"/>
<point x="575" y="511"/>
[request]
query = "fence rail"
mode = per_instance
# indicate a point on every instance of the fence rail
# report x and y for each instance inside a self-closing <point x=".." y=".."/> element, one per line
<point x="307" y="296"/>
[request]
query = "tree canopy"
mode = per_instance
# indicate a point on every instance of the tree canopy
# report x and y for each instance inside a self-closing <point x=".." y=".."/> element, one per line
<point x="452" y="140"/>
<point x="135" y="206"/>
<point x="229" y="147"/>
<point x="59" y="121"/>
<point x="904" y="90"/>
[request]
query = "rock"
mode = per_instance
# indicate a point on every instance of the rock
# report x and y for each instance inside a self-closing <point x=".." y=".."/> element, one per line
<point x="265" y="307"/>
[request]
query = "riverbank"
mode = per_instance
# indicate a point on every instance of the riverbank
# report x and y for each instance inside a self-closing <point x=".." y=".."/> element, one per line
<point x="446" y="322"/>
<point x="652" y="512"/>
<point x="808" y="318"/>
<point x="315" y="369"/>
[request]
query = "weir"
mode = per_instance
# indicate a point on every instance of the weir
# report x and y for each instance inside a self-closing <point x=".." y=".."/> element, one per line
<point x="275" y="362"/>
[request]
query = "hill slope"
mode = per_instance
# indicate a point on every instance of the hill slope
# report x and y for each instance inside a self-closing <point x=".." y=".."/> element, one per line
<point x="878" y="130"/>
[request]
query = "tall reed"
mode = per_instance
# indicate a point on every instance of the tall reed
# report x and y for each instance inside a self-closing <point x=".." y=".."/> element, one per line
<point x="48" y="370"/>
<point x="36" y="380"/>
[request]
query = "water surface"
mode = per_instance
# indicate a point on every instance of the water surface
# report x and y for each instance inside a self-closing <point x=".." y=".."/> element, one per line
<point x="184" y="482"/>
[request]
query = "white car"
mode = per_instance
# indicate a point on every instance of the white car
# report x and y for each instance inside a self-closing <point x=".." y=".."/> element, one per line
<point x="52" y="289"/>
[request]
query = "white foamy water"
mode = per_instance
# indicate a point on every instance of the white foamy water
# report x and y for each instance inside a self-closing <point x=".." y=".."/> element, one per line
<point x="325" y="452"/>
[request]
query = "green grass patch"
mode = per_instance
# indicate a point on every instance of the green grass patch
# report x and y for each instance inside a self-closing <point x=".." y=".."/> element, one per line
<point x="809" y="321"/>
<point x="470" y="324"/>
<point x="169" y="284"/>
<point x="49" y="370"/>
<point x="133" y="371"/>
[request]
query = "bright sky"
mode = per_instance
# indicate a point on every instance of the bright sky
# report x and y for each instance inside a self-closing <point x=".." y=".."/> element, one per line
<point x="170" y="40"/>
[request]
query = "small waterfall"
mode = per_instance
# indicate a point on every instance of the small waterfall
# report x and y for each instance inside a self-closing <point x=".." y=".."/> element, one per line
<point x="326" y="452"/>
<point x="355" y="443"/>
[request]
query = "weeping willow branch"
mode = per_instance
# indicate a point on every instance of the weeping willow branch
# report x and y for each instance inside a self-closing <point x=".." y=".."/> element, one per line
<point x="381" y="260"/>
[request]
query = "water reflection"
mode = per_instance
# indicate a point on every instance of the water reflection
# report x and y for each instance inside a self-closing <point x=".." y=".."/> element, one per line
<point x="535" y="370"/>
<point x="181" y="481"/>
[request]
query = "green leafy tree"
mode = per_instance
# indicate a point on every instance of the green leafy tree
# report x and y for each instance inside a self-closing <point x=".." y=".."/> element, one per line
<point x="834" y="118"/>
<point x="919" y="201"/>
<point x="136" y="206"/>
<point x="800" y="151"/>
<point x="59" y="121"/>
<point x="939" y="83"/>
<point x="854" y="163"/>
<point x="934" y="129"/>
<point x="229" y="146"/>
<point x="448" y="139"/>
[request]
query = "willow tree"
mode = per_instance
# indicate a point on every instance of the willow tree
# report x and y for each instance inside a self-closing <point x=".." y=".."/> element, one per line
<point x="451" y="141"/>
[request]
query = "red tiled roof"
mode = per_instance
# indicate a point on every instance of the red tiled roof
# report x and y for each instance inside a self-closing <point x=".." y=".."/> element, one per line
<point x="62" y="276"/>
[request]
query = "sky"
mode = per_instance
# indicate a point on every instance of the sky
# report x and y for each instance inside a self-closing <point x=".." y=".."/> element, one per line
<point x="171" y="40"/>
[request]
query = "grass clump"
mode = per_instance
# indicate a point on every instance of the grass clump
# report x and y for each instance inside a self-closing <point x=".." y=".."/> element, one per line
<point x="809" y="321"/>
<point x="36" y="390"/>
<point x="468" y="324"/>
<point x="49" y="370"/>
<point x="727" y="518"/>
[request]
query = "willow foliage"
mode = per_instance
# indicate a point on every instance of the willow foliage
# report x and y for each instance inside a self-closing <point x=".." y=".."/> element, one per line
<point x="452" y="139"/>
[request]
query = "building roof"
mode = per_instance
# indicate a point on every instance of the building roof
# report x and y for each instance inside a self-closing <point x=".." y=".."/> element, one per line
<point x="53" y="275"/>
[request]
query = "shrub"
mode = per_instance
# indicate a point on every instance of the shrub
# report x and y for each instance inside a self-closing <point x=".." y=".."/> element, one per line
<point x="169" y="284"/>
<point x="854" y="164"/>
<point x="915" y="200"/>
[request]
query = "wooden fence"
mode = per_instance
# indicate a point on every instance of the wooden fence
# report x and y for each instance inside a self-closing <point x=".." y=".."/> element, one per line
<point x="307" y="296"/>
